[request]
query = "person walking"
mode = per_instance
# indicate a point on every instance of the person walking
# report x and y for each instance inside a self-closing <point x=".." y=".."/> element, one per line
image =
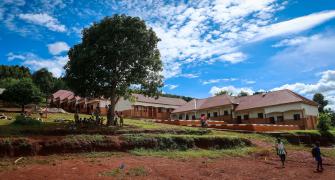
<point x="316" y="152"/>
<point x="281" y="151"/>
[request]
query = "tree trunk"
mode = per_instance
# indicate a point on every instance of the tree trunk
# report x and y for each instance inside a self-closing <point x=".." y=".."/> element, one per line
<point x="112" y="99"/>
<point x="22" y="108"/>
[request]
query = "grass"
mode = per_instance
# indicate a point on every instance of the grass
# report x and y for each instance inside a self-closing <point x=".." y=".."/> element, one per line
<point x="197" y="153"/>
<point x="120" y="173"/>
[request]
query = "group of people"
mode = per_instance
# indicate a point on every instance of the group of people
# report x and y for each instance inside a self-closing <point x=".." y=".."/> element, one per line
<point x="316" y="153"/>
<point x="114" y="118"/>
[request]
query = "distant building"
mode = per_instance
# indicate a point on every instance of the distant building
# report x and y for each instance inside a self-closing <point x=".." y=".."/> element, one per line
<point x="148" y="107"/>
<point x="277" y="107"/>
<point x="141" y="107"/>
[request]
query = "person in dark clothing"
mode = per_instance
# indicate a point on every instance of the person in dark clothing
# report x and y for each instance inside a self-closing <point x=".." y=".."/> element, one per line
<point x="121" y="119"/>
<point x="203" y="120"/>
<point x="316" y="152"/>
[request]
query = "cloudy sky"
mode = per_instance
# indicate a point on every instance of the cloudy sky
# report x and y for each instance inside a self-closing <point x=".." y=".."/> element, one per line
<point x="206" y="46"/>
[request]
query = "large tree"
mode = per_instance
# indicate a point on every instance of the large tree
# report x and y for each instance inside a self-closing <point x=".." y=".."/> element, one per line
<point x="22" y="93"/>
<point x="114" y="55"/>
<point x="320" y="99"/>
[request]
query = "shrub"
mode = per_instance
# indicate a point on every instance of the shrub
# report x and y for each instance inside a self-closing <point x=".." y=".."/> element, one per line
<point x="26" y="121"/>
<point x="324" y="122"/>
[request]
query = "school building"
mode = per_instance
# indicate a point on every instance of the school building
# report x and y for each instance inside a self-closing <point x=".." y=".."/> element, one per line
<point x="283" y="107"/>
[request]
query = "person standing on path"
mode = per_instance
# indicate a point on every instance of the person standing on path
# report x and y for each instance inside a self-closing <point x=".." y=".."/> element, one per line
<point x="316" y="152"/>
<point x="281" y="151"/>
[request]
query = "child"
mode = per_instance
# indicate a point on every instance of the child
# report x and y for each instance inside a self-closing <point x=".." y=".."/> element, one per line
<point x="316" y="152"/>
<point x="203" y="120"/>
<point x="281" y="151"/>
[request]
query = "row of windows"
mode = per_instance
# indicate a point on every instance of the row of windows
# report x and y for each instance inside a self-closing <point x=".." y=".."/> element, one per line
<point x="261" y="116"/>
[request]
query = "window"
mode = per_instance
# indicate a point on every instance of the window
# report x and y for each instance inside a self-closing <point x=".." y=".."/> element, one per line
<point x="215" y="114"/>
<point x="180" y="116"/>
<point x="159" y="110"/>
<point x="186" y="117"/>
<point x="225" y="113"/>
<point x="280" y="118"/>
<point x="208" y="115"/>
<point x="260" y="115"/>
<point x="296" y="116"/>
<point x="193" y="117"/>
<point x="246" y="117"/>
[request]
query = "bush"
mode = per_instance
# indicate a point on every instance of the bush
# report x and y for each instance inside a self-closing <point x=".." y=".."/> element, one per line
<point x="26" y="121"/>
<point x="324" y="122"/>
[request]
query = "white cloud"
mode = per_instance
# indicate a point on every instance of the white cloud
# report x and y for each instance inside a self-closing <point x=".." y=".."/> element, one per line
<point x="295" y="25"/>
<point x="233" y="58"/>
<point x="58" y="47"/>
<point x="191" y="76"/>
<point x="326" y="86"/>
<point x="303" y="57"/>
<point x="171" y="86"/>
<point x="234" y="90"/>
<point x="246" y="81"/>
<point x="11" y="56"/>
<point x="296" y="41"/>
<point x="54" y="65"/>
<point x="45" y="20"/>
<point x="213" y="81"/>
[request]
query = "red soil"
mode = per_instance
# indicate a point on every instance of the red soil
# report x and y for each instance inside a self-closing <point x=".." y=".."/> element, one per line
<point x="299" y="165"/>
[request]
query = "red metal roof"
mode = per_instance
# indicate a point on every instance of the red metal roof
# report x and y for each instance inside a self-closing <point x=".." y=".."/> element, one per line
<point x="246" y="102"/>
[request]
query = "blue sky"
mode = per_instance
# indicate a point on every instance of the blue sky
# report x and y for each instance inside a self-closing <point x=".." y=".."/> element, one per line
<point x="206" y="46"/>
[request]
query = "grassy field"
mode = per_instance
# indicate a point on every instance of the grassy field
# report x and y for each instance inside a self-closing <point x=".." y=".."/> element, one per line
<point x="146" y="129"/>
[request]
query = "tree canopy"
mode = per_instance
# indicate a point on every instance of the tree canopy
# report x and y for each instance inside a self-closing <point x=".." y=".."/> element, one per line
<point x="320" y="99"/>
<point x="115" y="54"/>
<point x="16" y="72"/>
<point x="44" y="80"/>
<point x="22" y="93"/>
<point x="242" y="93"/>
<point x="223" y="92"/>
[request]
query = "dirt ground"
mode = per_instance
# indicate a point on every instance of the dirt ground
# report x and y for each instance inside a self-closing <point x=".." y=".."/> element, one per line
<point x="299" y="166"/>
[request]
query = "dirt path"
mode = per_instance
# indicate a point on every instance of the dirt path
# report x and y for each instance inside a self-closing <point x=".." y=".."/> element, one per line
<point x="299" y="166"/>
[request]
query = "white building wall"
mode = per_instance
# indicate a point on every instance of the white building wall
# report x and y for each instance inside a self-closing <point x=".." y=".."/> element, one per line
<point x="123" y="104"/>
<point x="310" y="110"/>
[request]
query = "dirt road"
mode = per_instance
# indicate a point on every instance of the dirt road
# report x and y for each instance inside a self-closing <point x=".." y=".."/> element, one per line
<point x="299" y="166"/>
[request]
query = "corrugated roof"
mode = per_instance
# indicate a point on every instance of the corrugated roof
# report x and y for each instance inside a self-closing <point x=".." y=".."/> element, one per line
<point x="210" y="102"/>
<point x="160" y="100"/>
<point x="62" y="94"/>
<point x="270" y="99"/>
<point x="246" y="102"/>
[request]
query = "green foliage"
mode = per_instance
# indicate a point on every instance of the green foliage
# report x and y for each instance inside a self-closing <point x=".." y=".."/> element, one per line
<point x="243" y="93"/>
<point x="44" y="80"/>
<point x="324" y="122"/>
<point x="137" y="171"/>
<point x="26" y="121"/>
<point x="197" y="153"/>
<point x="332" y="116"/>
<point x="186" y="98"/>
<point x="59" y="83"/>
<point x="320" y="99"/>
<point x="23" y="92"/>
<point x="183" y="142"/>
<point x="7" y="82"/>
<point x="15" y="72"/>
<point x="223" y="92"/>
